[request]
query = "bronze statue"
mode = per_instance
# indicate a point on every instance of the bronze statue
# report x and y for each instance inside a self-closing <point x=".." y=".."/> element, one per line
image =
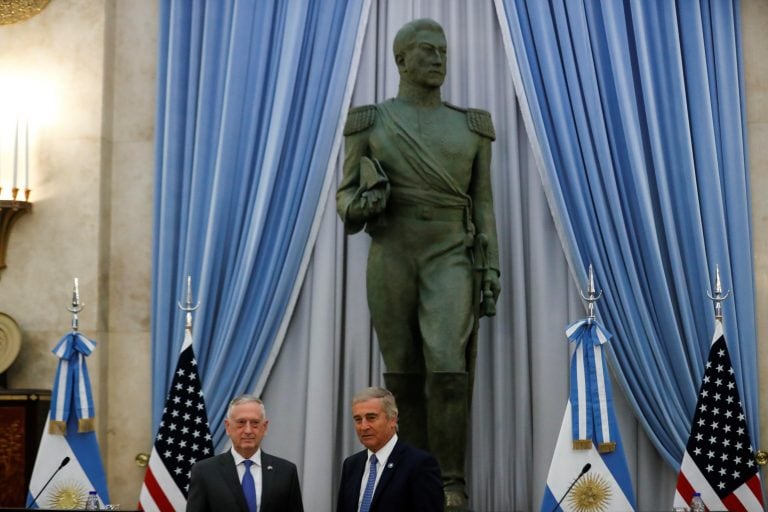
<point x="417" y="176"/>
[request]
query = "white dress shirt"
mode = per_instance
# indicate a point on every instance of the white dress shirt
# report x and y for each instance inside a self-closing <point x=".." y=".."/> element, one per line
<point x="381" y="461"/>
<point x="255" y="471"/>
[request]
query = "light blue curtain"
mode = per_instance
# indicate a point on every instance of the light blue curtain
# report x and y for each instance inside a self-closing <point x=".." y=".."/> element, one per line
<point x="638" y="113"/>
<point x="250" y="100"/>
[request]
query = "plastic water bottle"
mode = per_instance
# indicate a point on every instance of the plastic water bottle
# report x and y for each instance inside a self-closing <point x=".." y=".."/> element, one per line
<point x="697" y="504"/>
<point x="92" y="503"/>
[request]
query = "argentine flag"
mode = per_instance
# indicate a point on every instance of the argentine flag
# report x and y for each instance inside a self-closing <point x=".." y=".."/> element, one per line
<point x="83" y="472"/>
<point x="68" y="464"/>
<point x="605" y="486"/>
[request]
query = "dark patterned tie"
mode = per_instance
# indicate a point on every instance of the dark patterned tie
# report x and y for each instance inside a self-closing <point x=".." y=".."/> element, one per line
<point x="249" y="486"/>
<point x="365" y="506"/>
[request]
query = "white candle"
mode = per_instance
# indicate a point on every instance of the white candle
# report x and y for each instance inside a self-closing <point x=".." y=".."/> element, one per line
<point x="16" y="153"/>
<point x="26" y="153"/>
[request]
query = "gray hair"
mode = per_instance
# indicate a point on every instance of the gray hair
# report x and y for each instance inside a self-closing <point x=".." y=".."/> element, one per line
<point x="387" y="399"/>
<point x="246" y="399"/>
<point x="404" y="39"/>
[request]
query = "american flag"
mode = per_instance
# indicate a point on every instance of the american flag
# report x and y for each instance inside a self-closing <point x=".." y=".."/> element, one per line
<point x="719" y="462"/>
<point x="183" y="438"/>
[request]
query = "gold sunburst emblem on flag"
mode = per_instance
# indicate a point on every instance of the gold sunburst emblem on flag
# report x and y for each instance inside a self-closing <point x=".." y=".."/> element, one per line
<point x="591" y="494"/>
<point x="67" y="496"/>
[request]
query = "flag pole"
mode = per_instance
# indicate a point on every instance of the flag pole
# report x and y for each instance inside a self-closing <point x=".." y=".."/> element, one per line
<point x="590" y="297"/>
<point x="77" y="306"/>
<point x="189" y="305"/>
<point x="718" y="296"/>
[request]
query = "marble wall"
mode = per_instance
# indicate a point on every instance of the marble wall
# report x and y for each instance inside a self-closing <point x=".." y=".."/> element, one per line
<point x="92" y="169"/>
<point x="755" y="43"/>
<point x="92" y="189"/>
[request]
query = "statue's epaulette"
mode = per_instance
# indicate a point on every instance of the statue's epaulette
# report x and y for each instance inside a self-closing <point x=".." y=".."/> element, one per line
<point x="359" y="119"/>
<point x="480" y="122"/>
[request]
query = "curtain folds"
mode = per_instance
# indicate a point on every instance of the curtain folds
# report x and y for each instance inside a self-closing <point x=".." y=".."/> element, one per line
<point x="626" y="150"/>
<point x="521" y="387"/>
<point x="249" y="101"/>
<point x="639" y="121"/>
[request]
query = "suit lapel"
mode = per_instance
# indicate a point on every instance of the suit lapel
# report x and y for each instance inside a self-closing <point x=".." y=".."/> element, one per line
<point x="387" y="472"/>
<point x="267" y="481"/>
<point x="358" y="468"/>
<point x="230" y="477"/>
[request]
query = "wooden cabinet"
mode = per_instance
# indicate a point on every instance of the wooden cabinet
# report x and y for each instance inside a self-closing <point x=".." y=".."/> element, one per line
<point x="22" y="417"/>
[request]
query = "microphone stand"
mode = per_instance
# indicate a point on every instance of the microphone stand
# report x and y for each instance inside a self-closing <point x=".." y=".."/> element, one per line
<point x="64" y="462"/>
<point x="586" y="468"/>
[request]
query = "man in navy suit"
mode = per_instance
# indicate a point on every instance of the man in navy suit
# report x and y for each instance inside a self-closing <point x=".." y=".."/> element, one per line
<point x="245" y="478"/>
<point x="401" y="477"/>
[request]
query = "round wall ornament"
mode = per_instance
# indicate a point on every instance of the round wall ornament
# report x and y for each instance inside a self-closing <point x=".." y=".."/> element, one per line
<point x="10" y="340"/>
<point x="13" y="11"/>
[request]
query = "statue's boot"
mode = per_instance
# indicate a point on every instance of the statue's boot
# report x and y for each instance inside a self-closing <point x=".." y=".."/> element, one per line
<point x="408" y="389"/>
<point x="447" y="420"/>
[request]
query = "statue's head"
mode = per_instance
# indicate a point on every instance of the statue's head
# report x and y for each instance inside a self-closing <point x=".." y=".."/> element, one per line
<point x="420" y="53"/>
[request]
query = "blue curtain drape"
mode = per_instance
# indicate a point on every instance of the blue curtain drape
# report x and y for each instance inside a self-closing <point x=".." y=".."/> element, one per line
<point x="250" y="98"/>
<point x="638" y="114"/>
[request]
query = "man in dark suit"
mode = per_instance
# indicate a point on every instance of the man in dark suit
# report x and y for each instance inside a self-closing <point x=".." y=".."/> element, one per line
<point x="245" y="478"/>
<point x="389" y="475"/>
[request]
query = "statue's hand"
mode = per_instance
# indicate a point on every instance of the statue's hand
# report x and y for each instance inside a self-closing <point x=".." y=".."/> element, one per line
<point x="493" y="277"/>
<point x="375" y="201"/>
<point x="491" y="290"/>
<point x="367" y="204"/>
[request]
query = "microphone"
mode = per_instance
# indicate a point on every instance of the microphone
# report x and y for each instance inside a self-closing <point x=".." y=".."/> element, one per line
<point x="586" y="468"/>
<point x="64" y="462"/>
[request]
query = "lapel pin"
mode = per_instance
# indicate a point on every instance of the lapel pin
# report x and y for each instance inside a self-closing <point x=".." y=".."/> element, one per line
<point x="269" y="468"/>
<point x="391" y="465"/>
